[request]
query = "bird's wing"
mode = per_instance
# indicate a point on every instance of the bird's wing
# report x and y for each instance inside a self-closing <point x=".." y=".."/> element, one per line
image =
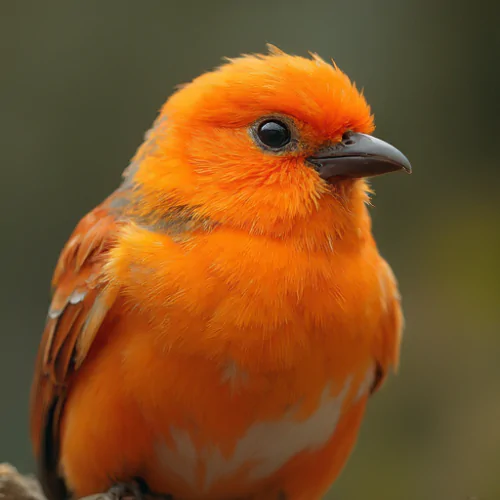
<point x="390" y="329"/>
<point x="81" y="301"/>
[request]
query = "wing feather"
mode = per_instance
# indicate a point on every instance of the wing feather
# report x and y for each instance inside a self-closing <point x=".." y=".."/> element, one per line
<point x="390" y="328"/>
<point x="80" y="303"/>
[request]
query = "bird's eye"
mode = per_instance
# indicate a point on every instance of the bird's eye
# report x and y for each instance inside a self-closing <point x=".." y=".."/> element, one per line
<point x="274" y="134"/>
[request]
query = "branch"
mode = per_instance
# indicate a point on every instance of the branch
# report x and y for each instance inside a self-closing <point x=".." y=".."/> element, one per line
<point x="14" y="486"/>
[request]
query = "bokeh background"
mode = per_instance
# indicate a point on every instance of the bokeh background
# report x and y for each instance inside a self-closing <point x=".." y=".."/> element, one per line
<point x="80" y="83"/>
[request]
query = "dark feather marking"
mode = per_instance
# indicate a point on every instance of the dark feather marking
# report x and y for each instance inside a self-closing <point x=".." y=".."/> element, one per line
<point x="378" y="377"/>
<point x="53" y="485"/>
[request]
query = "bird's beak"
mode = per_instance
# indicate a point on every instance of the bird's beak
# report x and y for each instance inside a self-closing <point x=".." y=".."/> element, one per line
<point x="358" y="155"/>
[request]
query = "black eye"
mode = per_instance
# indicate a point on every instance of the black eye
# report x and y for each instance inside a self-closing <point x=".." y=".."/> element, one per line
<point x="274" y="134"/>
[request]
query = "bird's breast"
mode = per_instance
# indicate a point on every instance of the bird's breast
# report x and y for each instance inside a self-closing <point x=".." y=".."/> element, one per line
<point x="259" y="302"/>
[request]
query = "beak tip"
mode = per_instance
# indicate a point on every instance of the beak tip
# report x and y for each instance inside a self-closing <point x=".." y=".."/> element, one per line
<point x="407" y="167"/>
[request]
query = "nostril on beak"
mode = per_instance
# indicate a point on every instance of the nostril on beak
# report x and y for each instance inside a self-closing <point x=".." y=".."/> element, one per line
<point x="347" y="139"/>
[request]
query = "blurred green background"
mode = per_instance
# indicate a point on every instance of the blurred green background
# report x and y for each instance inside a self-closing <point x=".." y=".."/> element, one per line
<point x="82" y="81"/>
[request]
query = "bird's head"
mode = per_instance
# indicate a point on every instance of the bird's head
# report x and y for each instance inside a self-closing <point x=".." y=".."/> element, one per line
<point x="266" y="143"/>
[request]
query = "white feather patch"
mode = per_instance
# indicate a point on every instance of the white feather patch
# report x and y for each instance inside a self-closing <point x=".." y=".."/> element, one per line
<point x="267" y="445"/>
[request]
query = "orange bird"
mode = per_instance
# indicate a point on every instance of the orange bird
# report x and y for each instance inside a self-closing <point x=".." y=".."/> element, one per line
<point x="219" y="322"/>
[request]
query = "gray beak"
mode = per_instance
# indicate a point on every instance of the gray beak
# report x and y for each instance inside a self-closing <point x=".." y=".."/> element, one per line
<point x="358" y="155"/>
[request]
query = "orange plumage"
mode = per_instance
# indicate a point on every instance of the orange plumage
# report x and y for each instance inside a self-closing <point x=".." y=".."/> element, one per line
<point x="219" y="322"/>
